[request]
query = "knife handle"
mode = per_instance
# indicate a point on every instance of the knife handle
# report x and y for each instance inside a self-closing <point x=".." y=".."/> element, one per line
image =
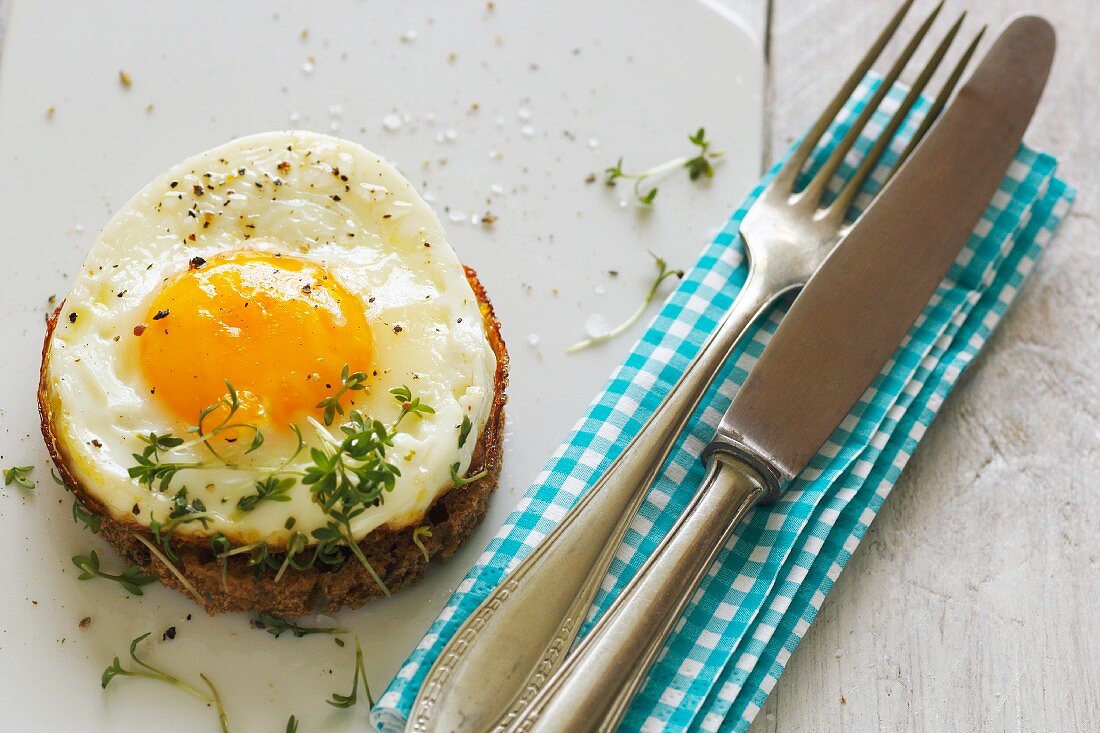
<point x="504" y="652"/>
<point x="595" y="685"/>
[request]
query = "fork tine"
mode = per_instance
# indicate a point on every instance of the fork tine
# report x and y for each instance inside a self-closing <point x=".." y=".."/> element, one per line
<point x="786" y="176"/>
<point x="940" y="103"/>
<point x="817" y="185"/>
<point x="839" y="206"/>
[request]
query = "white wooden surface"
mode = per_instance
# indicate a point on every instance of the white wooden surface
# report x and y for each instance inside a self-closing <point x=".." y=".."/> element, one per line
<point x="534" y="101"/>
<point x="972" y="603"/>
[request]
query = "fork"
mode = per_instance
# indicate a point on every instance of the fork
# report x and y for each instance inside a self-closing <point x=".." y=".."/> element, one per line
<point x="506" y="650"/>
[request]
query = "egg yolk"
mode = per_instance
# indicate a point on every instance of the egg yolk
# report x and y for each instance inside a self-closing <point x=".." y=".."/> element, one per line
<point x="278" y="328"/>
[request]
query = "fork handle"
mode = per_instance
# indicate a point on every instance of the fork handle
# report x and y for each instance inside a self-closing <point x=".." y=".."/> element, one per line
<point x="595" y="685"/>
<point x="508" y="647"/>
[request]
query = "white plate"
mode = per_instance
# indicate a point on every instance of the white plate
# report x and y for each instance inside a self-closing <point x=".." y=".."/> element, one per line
<point x="600" y="80"/>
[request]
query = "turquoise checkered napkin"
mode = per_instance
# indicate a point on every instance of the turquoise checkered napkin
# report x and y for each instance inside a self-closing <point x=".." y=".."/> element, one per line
<point x="768" y="583"/>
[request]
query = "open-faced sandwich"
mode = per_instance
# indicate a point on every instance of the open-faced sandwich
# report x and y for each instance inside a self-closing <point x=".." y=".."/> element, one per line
<point x="274" y="381"/>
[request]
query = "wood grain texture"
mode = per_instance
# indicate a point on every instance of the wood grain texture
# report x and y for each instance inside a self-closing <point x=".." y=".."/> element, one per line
<point x="971" y="605"/>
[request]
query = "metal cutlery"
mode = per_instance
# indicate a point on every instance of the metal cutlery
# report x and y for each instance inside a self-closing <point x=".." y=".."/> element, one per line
<point x="846" y="323"/>
<point x="517" y="637"/>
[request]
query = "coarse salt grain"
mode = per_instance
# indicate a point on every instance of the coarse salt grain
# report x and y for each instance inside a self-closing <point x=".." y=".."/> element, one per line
<point x="596" y="326"/>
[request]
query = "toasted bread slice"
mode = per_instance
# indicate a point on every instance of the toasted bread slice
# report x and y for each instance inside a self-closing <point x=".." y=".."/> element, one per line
<point x="397" y="558"/>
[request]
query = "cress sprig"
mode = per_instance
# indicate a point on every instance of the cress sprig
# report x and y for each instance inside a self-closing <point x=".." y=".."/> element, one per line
<point x="232" y="402"/>
<point x="148" y="671"/>
<point x="663" y="273"/>
<point x="349" y="475"/>
<point x="151" y="467"/>
<point x="294" y="546"/>
<point x="183" y="512"/>
<point x="19" y="475"/>
<point x="349" y="382"/>
<point x="81" y="513"/>
<point x="84" y="515"/>
<point x="271" y="488"/>
<point x="131" y="579"/>
<point x="417" y="533"/>
<point x="188" y="511"/>
<point x="277" y="626"/>
<point x="221" y="546"/>
<point x="346" y="701"/>
<point x="698" y="166"/>
<point x="459" y="481"/>
<point x="464" y="430"/>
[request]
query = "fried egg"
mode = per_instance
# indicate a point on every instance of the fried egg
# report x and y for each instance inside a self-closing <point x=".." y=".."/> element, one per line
<point x="241" y="289"/>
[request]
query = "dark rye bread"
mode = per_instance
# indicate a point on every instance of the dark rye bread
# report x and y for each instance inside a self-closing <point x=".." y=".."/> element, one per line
<point x="392" y="553"/>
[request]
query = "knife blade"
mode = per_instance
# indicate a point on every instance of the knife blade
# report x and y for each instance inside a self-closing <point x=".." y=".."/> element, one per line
<point x="834" y="340"/>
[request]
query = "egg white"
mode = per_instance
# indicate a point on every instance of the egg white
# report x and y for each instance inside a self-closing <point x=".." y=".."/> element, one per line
<point x="398" y="263"/>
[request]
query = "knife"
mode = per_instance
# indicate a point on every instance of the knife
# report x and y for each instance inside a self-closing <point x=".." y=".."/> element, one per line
<point x="835" y="339"/>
